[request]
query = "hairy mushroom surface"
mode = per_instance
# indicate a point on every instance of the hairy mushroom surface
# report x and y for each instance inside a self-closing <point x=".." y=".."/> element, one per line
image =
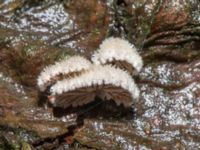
<point x="67" y="68"/>
<point x="118" y="52"/>
<point x="106" y="82"/>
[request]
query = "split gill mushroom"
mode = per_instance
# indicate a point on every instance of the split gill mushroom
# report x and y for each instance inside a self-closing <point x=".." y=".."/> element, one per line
<point x="120" y="53"/>
<point x="76" y="81"/>
<point x="106" y="82"/>
<point x="67" y="68"/>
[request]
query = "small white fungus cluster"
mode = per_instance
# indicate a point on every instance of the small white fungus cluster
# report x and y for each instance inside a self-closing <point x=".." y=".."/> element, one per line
<point x="68" y="65"/>
<point x="98" y="75"/>
<point x="117" y="49"/>
<point x="94" y="75"/>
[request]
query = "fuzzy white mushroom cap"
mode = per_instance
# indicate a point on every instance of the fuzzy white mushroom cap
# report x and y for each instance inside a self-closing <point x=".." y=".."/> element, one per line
<point x="98" y="75"/>
<point x="117" y="49"/>
<point x="68" y="65"/>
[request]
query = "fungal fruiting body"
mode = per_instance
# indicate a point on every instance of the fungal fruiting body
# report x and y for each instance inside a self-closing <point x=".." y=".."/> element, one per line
<point x="76" y="81"/>
<point x="66" y="68"/>
<point x="107" y="82"/>
<point x="118" y="52"/>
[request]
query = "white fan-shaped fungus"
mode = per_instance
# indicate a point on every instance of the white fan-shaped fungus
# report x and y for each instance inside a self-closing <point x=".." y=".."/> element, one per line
<point x="106" y="81"/>
<point x="75" y="81"/>
<point x="65" y="68"/>
<point x="119" y="52"/>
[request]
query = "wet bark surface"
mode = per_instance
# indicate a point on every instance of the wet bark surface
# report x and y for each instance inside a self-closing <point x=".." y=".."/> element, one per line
<point x="35" y="33"/>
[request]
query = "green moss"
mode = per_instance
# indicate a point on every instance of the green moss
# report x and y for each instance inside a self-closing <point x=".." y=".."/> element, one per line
<point x="17" y="140"/>
<point x="8" y="145"/>
<point x="25" y="146"/>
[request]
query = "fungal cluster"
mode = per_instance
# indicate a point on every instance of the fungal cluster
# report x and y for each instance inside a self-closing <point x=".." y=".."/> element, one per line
<point x="77" y="81"/>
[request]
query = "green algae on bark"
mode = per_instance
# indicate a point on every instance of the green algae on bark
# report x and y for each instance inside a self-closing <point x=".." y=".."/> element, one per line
<point x="15" y="138"/>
